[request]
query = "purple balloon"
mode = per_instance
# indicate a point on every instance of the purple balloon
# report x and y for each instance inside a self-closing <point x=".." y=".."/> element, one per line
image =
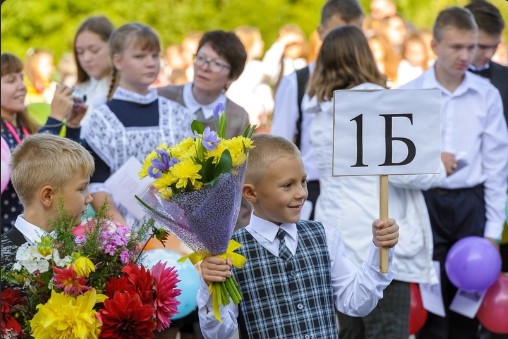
<point x="473" y="264"/>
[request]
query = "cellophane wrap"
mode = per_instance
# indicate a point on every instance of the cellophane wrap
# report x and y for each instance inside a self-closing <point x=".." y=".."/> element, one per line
<point x="202" y="219"/>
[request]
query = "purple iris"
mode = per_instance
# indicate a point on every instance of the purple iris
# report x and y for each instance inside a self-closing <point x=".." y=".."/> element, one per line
<point x="210" y="139"/>
<point x="218" y="110"/>
<point x="162" y="163"/>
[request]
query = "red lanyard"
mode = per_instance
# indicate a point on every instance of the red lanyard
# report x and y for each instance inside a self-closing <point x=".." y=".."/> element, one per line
<point x="15" y="133"/>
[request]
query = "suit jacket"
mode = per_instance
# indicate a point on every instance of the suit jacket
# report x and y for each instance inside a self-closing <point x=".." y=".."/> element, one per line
<point x="10" y="242"/>
<point x="498" y="76"/>
<point x="237" y="116"/>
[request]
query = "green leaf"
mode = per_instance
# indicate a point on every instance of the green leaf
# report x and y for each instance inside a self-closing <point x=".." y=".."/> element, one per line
<point x="197" y="127"/>
<point x="200" y="153"/>
<point x="248" y="131"/>
<point x="224" y="165"/>
<point x="208" y="170"/>
<point x="222" y="125"/>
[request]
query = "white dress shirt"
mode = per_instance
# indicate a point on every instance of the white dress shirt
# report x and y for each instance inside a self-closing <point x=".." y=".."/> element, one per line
<point x="193" y="105"/>
<point x="473" y="126"/>
<point x="356" y="290"/>
<point x="285" y="117"/>
<point x="32" y="233"/>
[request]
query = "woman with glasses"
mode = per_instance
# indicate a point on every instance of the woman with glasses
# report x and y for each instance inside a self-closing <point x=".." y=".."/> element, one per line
<point x="219" y="60"/>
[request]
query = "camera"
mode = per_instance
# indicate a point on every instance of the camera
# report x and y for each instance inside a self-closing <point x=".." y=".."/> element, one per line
<point x="78" y="97"/>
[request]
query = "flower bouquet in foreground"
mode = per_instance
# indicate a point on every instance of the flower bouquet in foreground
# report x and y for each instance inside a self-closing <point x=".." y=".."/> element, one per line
<point x="84" y="282"/>
<point x="197" y="193"/>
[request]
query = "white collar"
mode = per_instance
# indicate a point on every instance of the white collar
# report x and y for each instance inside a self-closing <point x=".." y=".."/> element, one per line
<point x="430" y="81"/>
<point x="193" y="105"/>
<point x="479" y="68"/>
<point x="268" y="230"/>
<point x="126" y="95"/>
<point x="31" y="232"/>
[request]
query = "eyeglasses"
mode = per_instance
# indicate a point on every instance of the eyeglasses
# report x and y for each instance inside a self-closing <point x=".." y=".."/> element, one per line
<point x="214" y="65"/>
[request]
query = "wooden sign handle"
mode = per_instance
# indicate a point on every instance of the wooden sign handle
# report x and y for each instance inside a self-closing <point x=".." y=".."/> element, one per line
<point x="383" y="215"/>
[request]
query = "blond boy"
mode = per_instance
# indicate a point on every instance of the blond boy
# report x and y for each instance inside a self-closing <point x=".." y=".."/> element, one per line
<point x="45" y="169"/>
<point x="297" y="272"/>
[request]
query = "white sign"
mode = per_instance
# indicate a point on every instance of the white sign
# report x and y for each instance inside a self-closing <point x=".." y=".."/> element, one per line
<point x="125" y="183"/>
<point x="382" y="132"/>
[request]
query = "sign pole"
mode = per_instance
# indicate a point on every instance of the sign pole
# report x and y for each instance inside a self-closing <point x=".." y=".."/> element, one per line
<point x="383" y="215"/>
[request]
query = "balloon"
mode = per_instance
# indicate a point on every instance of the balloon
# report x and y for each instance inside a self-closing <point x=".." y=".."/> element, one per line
<point x="417" y="314"/>
<point x="187" y="274"/>
<point x="473" y="264"/>
<point x="493" y="312"/>
<point x="6" y="168"/>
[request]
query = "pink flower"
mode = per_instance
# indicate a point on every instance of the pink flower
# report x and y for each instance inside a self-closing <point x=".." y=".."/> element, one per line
<point x="85" y="228"/>
<point x="68" y="280"/>
<point x="165" y="303"/>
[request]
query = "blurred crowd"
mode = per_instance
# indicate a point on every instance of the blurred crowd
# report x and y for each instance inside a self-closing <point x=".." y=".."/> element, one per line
<point x="402" y="52"/>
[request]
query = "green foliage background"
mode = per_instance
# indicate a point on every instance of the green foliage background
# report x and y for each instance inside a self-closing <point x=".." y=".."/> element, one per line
<point x="51" y="23"/>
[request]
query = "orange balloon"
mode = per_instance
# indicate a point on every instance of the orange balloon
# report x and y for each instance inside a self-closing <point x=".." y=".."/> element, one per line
<point x="171" y="242"/>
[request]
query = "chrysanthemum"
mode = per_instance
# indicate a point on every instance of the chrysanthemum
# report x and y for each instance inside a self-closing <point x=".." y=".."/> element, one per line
<point x="125" y="316"/>
<point x="237" y="146"/>
<point x="165" y="280"/>
<point x="165" y="181"/>
<point x="184" y="149"/>
<point x="186" y="171"/>
<point x="64" y="316"/>
<point x="217" y="152"/>
<point x="143" y="173"/>
<point x="69" y="281"/>
<point x="83" y="266"/>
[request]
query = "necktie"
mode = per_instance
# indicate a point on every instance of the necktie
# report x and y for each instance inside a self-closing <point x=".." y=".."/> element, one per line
<point x="284" y="252"/>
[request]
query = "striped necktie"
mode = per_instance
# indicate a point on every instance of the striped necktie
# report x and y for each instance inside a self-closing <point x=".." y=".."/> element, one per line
<point x="284" y="252"/>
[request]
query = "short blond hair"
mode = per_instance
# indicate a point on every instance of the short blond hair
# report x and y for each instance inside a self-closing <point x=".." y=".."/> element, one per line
<point x="47" y="159"/>
<point x="267" y="149"/>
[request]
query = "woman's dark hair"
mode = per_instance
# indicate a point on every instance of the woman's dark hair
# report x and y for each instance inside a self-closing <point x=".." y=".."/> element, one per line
<point x="228" y="46"/>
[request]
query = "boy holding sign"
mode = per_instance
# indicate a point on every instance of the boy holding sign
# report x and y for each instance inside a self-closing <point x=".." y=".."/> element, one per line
<point x="297" y="272"/>
<point x="475" y="144"/>
<point x="345" y="61"/>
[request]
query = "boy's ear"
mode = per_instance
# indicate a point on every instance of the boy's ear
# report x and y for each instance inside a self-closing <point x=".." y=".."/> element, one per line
<point x="47" y="195"/>
<point x="249" y="193"/>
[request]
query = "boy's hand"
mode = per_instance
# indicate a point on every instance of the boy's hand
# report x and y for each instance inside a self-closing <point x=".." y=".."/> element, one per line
<point x="214" y="269"/>
<point x="385" y="233"/>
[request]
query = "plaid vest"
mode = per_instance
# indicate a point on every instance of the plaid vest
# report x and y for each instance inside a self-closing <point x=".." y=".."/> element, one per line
<point x="292" y="299"/>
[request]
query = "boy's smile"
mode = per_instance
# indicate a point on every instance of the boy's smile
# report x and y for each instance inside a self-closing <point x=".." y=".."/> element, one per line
<point x="280" y="194"/>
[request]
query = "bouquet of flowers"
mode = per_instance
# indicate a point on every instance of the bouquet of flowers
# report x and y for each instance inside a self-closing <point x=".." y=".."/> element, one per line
<point x="196" y="194"/>
<point x="84" y="282"/>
